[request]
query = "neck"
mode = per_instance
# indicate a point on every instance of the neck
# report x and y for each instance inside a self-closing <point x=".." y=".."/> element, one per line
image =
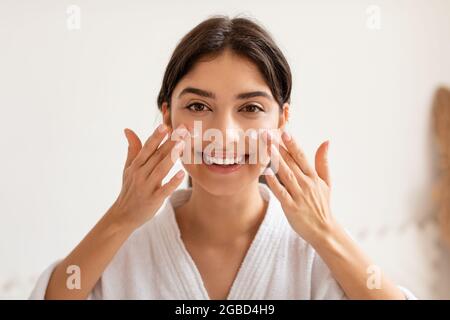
<point x="222" y="219"/>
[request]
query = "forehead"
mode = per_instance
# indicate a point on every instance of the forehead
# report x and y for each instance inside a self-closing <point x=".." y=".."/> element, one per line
<point x="226" y="74"/>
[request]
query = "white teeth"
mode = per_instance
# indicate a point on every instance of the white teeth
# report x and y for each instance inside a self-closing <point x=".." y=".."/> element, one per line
<point x="223" y="161"/>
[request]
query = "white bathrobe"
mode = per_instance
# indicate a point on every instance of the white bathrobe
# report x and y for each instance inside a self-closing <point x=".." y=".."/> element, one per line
<point x="154" y="264"/>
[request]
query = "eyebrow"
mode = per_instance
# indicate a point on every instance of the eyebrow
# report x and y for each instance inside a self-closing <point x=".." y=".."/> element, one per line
<point x="209" y="94"/>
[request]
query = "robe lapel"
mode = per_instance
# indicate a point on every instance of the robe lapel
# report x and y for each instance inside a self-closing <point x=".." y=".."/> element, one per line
<point x="177" y="263"/>
<point x="251" y="279"/>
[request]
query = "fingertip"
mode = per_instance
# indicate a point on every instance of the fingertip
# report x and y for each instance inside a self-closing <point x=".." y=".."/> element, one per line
<point x="286" y="136"/>
<point x="327" y="150"/>
<point x="126" y="131"/>
<point x="325" y="145"/>
<point x="269" y="172"/>
<point x="273" y="150"/>
<point x="181" y="132"/>
<point x="180" y="174"/>
<point x="161" y="128"/>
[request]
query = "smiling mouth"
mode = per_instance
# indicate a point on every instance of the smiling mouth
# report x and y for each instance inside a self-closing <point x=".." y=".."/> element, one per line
<point x="224" y="161"/>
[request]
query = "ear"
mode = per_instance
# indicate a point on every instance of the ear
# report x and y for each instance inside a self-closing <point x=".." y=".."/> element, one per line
<point x="165" y="110"/>
<point x="284" y="116"/>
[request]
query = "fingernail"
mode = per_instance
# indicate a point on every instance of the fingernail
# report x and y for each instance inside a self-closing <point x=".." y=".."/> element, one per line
<point x="126" y="131"/>
<point x="180" y="174"/>
<point x="286" y="136"/>
<point x="328" y="149"/>
<point x="269" y="172"/>
<point x="162" y="127"/>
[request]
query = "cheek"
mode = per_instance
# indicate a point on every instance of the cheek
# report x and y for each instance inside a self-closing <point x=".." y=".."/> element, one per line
<point x="265" y="121"/>
<point x="179" y="115"/>
<point x="177" y="118"/>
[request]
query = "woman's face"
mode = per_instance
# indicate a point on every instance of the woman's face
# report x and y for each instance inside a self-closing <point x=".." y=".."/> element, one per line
<point x="227" y="101"/>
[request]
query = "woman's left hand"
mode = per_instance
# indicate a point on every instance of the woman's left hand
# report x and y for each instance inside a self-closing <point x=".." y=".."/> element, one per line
<point x="305" y="192"/>
<point x="305" y="199"/>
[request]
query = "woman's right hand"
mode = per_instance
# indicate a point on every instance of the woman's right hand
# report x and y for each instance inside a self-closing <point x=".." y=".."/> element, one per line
<point x="146" y="166"/>
<point x="140" y="198"/>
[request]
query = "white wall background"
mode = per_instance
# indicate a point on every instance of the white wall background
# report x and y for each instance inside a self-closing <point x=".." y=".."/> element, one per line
<point x="66" y="95"/>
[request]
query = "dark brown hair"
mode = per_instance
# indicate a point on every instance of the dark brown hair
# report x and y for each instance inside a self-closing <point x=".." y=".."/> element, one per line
<point x="243" y="36"/>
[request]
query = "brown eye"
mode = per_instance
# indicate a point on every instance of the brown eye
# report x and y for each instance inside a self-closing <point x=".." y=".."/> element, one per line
<point x="197" y="107"/>
<point x="252" y="108"/>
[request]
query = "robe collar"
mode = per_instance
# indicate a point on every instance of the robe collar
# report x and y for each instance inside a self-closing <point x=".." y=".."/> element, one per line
<point x="249" y="281"/>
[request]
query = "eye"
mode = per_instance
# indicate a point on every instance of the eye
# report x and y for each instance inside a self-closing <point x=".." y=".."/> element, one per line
<point x="252" y="108"/>
<point x="197" y="107"/>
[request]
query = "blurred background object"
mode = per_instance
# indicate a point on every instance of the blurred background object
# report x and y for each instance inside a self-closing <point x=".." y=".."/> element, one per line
<point x="441" y="120"/>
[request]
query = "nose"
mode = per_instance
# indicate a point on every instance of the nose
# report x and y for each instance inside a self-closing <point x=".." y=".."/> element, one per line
<point x="230" y="129"/>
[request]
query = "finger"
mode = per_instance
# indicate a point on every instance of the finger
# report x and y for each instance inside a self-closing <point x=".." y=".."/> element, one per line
<point x="321" y="162"/>
<point x="168" y="188"/>
<point x="269" y="137"/>
<point x="151" y="144"/>
<point x="287" y="176"/>
<point x="301" y="177"/>
<point x="298" y="154"/>
<point x="134" y="146"/>
<point x="163" y="150"/>
<point x="263" y="148"/>
<point x="164" y="166"/>
<point x="277" y="188"/>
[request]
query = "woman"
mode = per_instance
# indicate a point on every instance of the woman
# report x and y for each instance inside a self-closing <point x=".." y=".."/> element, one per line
<point x="227" y="236"/>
